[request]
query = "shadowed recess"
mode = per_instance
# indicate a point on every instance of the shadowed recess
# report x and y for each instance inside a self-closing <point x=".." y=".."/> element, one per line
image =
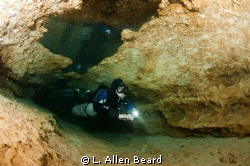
<point x="61" y="102"/>
<point x="87" y="44"/>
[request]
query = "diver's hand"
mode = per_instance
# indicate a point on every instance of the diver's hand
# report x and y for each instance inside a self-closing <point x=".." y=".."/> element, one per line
<point x="126" y="117"/>
<point x="130" y="117"/>
<point x="122" y="96"/>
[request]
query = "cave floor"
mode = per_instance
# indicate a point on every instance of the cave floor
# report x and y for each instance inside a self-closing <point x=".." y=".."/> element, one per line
<point x="22" y="123"/>
<point x="208" y="151"/>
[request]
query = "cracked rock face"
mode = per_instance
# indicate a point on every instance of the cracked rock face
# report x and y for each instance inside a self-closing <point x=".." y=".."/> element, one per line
<point x="115" y="12"/>
<point x="22" y="56"/>
<point x="188" y="69"/>
<point x="29" y="139"/>
<point x="191" y="64"/>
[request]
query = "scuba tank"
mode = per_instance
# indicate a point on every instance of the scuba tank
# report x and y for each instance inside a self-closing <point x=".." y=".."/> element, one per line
<point x="85" y="110"/>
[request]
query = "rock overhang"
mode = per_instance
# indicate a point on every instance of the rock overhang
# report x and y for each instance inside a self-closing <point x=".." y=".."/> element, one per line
<point x="191" y="68"/>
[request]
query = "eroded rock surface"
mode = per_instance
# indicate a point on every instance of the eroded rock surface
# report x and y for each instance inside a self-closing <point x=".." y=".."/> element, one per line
<point x="29" y="136"/>
<point x="115" y="12"/>
<point x="21" y="25"/>
<point x="191" y="64"/>
<point x="187" y="69"/>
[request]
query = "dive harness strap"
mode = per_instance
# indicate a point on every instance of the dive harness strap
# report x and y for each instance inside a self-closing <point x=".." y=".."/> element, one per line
<point x="83" y="108"/>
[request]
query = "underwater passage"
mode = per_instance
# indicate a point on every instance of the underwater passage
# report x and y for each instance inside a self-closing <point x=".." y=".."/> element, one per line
<point x="186" y="69"/>
<point x="86" y="44"/>
<point x="108" y="108"/>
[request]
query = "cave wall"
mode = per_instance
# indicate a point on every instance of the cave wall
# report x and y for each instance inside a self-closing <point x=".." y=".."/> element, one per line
<point x="30" y="136"/>
<point x="23" y="58"/>
<point x="118" y="13"/>
<point x="191" y="64"/>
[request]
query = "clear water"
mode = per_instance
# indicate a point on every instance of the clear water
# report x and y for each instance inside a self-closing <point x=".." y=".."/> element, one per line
<point x="86" y="44"/>
<point x="208" y="151"/>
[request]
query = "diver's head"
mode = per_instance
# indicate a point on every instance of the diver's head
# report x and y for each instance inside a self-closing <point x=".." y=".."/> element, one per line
<point x="118" y="87"/>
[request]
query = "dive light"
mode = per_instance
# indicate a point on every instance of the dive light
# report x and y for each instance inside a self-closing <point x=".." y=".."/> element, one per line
<point x="135" y="112"/>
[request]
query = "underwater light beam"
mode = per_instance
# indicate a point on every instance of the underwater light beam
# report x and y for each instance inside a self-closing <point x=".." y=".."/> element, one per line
<point x="135" y="112"/>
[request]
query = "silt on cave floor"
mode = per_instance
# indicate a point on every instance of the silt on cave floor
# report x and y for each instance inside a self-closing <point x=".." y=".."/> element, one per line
<point x="187" y="65"/>
<point x="31" y="135"/>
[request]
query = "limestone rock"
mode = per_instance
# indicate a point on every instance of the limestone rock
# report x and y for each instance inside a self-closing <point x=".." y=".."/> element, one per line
<point x="191" y="65"/>
<point x="128" y="35"/>
<point x="28" y="136"/>
<point x="22" y="56"/>
<point x="121" y="13"/>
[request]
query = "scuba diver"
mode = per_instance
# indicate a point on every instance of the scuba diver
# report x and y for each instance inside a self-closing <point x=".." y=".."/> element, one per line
<point x="107" y="102"/>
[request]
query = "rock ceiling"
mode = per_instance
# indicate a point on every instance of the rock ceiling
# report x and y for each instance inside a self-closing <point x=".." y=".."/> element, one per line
<point x="190" y="63"/>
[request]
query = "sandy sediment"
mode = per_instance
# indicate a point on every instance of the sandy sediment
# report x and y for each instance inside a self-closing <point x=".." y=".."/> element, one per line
<point x="31" y="136"/>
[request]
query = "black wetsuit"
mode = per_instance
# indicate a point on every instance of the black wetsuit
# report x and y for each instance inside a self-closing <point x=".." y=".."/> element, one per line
<point x="107" y="103"/>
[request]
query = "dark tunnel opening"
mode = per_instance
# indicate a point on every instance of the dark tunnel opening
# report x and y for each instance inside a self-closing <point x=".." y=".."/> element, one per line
<point x="61" y="102"/>
<point x="87" y="44"/>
